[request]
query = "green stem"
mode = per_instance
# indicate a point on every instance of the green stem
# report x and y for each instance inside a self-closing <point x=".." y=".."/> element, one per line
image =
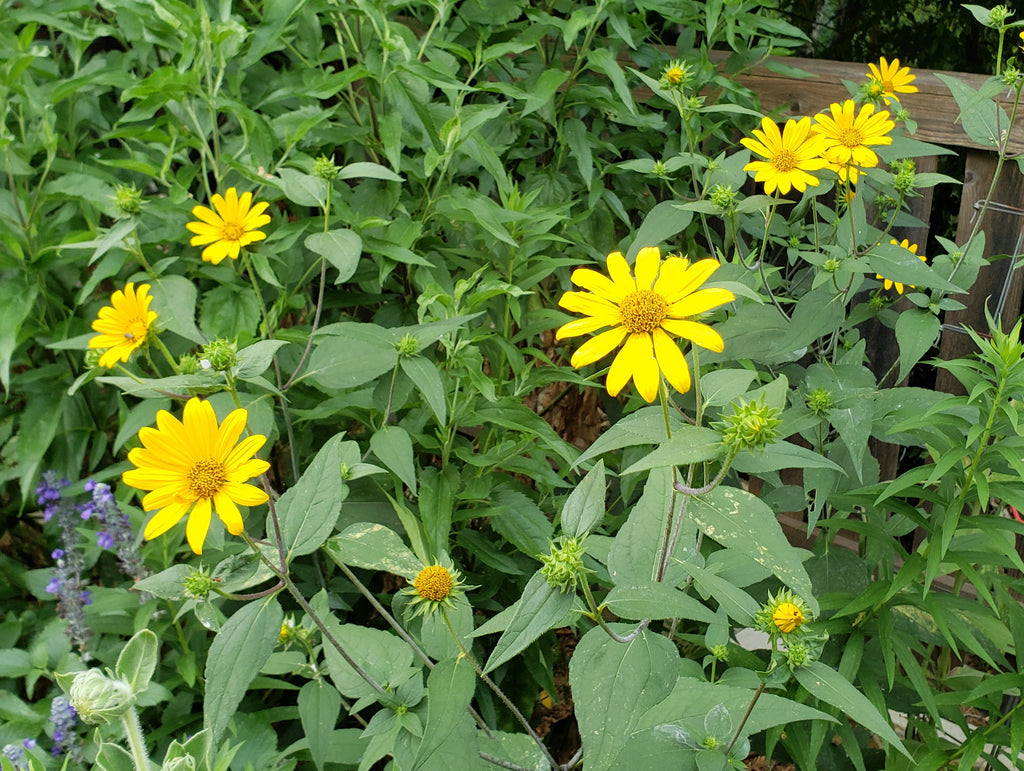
<point x="137" y="745"/>
<point x="497" y="691"/>
<point x="595" y="613"/>
<point x="247" y="263"/>
<point x="156" y="341"/>
<point x="746" y="716"/>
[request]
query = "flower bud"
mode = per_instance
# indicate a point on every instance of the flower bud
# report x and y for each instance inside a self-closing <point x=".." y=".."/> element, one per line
<point x="564" y="564"/>
<point x="324" y="168"/>
<point x="198" y="584"/>
<point x="221" y="353"/>
<point x="99" y="698"/>
<point x="819" y="401"/>
<point x="128" y="200"/>
<point x="750" y="426"/>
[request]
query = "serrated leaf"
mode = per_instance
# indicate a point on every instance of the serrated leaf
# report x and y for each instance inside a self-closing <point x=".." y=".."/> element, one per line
<point x="424" y="375"/>
<point x="393" y="447"/>
<point x="237" y="654"/>
<point x="585" y="507"/>
<point x="541" y="608"/>
<point x="340" y="247"/>
<point x="319" y="707"/>
<point x="450" y="688"/>
<point x="739" y="520"/>
<point x="253" y="360"/>
<point x="373" y="546"/>
<point x="655" y="601"/>
<point x="309" y="509"/>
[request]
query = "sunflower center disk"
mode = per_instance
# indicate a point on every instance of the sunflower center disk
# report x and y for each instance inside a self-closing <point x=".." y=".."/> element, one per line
<point x="135" y="329"/>
<point x="232" y="231"/>
<point x="642" y="311"/>
<point x="206" y="477"/>
<point x="784" y="161"/>
<point x="851" y="137"/>
<point x="434" y="583"/>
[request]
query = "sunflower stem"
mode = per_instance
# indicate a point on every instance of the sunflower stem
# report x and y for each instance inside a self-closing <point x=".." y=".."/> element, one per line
<point x="497" y="691"/>
<point x="247" y="263"/>
<point x="136" y="743"/>
<point x="166" y="353"/>
<point x="596" y="615"/>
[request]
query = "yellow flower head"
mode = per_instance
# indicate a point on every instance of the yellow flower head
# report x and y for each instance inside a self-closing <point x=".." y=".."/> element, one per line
<point x="787" y="617"/>
<point x="848" y="135"/>
<point x="435" y="587"/>
<point x="845" y="169"/>
<point x="123" y="325"/>
<point x="906" y="245"/>
<point x="892" y="78"/>
<point x="788" y="155"/>
<point x="647" y="313"/>
<point x="232" y="226"/>
<point x="196" y="465"/>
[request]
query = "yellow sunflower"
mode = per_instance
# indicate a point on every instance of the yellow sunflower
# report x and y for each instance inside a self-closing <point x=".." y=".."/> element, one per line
<point x="788" y="155"/>
<point x="196" y="464"/>
<point x="849" y="135"/>
<point x="123" y="325"/>
<point x="646" y="313"/>
<point x="232" y="226"/>
<point x="892" y="78"/>
<point x="906" y="245"/>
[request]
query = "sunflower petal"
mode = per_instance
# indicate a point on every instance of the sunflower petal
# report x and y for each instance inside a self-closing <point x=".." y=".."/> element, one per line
<point x="228" y="513"/>
<point x="198" y="524"/>
<point x="165" y="519"/>
<point x="695" y="332"/>
<point x="598" y="347"/>
<point x="671" y="362"/>
<point x="648" y="260"/>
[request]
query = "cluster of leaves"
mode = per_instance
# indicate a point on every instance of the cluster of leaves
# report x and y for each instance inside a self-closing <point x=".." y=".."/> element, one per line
<point x="434" y="169"/>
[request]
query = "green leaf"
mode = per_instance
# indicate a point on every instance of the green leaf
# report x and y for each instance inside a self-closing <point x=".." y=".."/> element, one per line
<point x="319" y="707"/>
<point x="720" y="387"/>
<point x="354" y="354"/>
<point x="450" y="688"/>
<point x="303" y="189"/>
<point x="778" y="456"/>
<point x="916" y="330"/>
<point x="14" y="662"/>
<point x="689" y="444"/>
<point x="543" y="90"/>
<point x="614" y="684"/>
<point x="174" y="300"/>
<point x="584" y="508"/>
<point x="229" y="310"/>
<point x="385" y="658"/>
<point x="519" y="521"/>
<point x="341" y="248"/>
<point x="112" y="757"/>
<point x="309" y="509"/>
<point x="253" y="360"/>
<point x="367" y="170"/>
<point x="437" y="499"/>
<point x="981" y="117"/>
<point x="393" y="447"/>
<point x="832" y="688"/>
<point x="168" y="584"/>
<point x="373" y="546"/>
<point x="137" y="661"/>
<point x="645" y="426"/>
<point x="542" y="607"/>
<point x="739" y="520"/>
<point x="17" y="298"/>
<point x="656" y="601"/>
<point x="660" y="225"/>
<point x="424" y="375"/>
<point x="237" y="654"/>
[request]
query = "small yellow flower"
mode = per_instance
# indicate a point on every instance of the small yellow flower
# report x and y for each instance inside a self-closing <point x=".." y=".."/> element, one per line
<point x="231" y="227"/>
<point x="434" y="583"/>
<point x="892" y="78"/>
<point x="788" y="155"/>
<point x="196" y="465"/>
<point x="124" y="325"/>
<point x="435" y="587"/>
<point x="849" y="136"/>
<point x="906" y="245"/>
<point x="646" y="313"/>
<point x="787" y="617"/>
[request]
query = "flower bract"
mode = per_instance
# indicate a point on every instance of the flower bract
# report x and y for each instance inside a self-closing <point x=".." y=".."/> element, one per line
<point x="906" y="245"/>
<point x="232" y="224"/>
<point x="123" y="325"/>
<point x="435" y="588"/>
<point x="892" y="78"/>
<point x="788" y="155"/>
<point x="849" y="136"/>
<point x="199" y="466"/>
<point x="644" y="314"/>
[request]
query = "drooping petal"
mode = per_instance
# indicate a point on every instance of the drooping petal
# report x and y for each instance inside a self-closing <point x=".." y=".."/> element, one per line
<point x="635" y="358"/>
<point x="671" y="362"/>
<point x="198" y="525"/>
<point x="244" y="451"/>
<point x="598" y="347"/>
<point x="247" y="495"/>
<point x="165" y="519"/>
<point x="228" y="433"/>
<point x="228" y="513"/>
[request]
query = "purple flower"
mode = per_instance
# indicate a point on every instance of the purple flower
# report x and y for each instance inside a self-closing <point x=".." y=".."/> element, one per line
<point x="104" y="540"/>
<point x="64" y="719"/>
<point x="53" y="587"/>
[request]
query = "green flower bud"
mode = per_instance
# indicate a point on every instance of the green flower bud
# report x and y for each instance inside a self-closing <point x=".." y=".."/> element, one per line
<point x="878" y="302"/>
<point x="676" y="76"/>
<point x="100" y="698"/>
<point x="408" y="345"/>
<point x="831" y="265"/>
<point x="660" y="169"/>
<point x="183" y="763"/>
<point x="819" y="401"/>
<point x="563" y="564"/>
<point x="128" y="200"/>
<point x="222" y="354"/>
<point x="998" y="15"/>
<point x="198" y="584"/>
<point x="1011" y="75"/>
<point x="798" y="654"/>
<point x="750" y="426"/>
<point x="720" y="652"/>
<point x="710" y="742"/>
<point x="724" y="197"/>
<point x="904" y="174"/>
<point x="92" y="358"/>
<point x="324" y="168"/>
<point x="188" y="364"/>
